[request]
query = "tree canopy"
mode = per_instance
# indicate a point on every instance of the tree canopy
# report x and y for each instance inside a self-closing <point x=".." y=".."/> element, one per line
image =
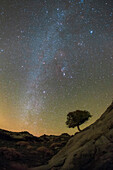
<point x="76" y="118"/>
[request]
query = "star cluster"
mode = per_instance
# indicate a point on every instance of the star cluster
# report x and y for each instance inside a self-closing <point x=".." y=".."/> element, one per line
<point x="55" y="57"/>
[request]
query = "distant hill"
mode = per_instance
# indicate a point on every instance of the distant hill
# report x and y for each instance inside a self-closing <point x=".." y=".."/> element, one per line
<point x="16" y="136"/>
<point x="90" y="149"/>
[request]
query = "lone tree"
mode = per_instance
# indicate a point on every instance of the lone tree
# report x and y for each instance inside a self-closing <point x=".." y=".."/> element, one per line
<point x="76" y="118"/>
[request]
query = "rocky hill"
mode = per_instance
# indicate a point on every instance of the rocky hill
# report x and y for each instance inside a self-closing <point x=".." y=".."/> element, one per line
<point x="91" y="149"/>
<point x="16" y="136"/>
<point x="20" y="150"/>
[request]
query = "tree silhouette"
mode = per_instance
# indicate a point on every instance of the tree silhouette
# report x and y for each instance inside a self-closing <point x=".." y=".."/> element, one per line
<point x="76" y="118"/>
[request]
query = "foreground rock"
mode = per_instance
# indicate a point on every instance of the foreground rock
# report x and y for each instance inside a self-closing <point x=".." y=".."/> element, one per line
<point x="91" y="149"/>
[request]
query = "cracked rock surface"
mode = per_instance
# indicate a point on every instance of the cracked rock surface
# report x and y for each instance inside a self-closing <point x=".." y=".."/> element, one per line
<point x="90" y="149"/>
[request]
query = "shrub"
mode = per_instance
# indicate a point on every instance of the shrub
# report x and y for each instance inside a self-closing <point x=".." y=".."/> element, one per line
<point x="18" y="166"/>
<point x="29" y="147"/>
<point x="22" y="143"/>
<point x="10" y="153"/>
<point x="55" y="145"/>
<point x="45" y="151"/>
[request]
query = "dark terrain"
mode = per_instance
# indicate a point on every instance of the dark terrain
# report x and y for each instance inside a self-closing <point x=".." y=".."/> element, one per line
<point x="19" y="150"/>
<point x="90" y="149"/>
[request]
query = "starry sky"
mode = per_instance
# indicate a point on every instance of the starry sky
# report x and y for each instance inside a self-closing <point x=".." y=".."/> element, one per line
<point x="55" y="57"/>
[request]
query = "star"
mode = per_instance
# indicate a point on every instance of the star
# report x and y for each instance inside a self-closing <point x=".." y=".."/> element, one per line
<point x="44" y="92"/>
<point x="91" y="31"/>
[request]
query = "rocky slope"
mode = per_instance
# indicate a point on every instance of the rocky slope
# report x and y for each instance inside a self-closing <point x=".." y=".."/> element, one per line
<point x="91" y="149"/>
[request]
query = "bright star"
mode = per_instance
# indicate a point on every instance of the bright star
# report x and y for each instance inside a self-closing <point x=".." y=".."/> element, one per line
<point x="44" y="92"/>
<point x="91" y="31"/>
<point x="64" y="74"/>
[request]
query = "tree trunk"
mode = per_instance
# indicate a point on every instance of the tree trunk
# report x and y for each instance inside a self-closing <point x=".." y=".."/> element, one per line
<point x="78" y="128"/>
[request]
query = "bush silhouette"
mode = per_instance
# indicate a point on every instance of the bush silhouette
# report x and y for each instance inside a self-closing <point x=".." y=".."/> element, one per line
<point x="44" y="151"/>
<point x="76" y="118"/>
<point x="10" y="153"/>
<point x="18" y="166"/>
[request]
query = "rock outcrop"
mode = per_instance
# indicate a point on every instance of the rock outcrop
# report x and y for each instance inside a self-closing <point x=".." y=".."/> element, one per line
<point x="91" y="149"/>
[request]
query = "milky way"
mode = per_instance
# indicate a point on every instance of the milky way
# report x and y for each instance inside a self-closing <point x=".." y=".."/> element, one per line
<point x="55" y="57"/>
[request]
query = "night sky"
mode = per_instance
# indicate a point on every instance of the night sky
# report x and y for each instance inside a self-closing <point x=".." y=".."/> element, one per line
<point x="55" y="57"/>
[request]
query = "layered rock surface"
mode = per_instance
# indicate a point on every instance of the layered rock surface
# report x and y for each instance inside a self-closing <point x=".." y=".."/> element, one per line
<point x="91" y="149"/>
